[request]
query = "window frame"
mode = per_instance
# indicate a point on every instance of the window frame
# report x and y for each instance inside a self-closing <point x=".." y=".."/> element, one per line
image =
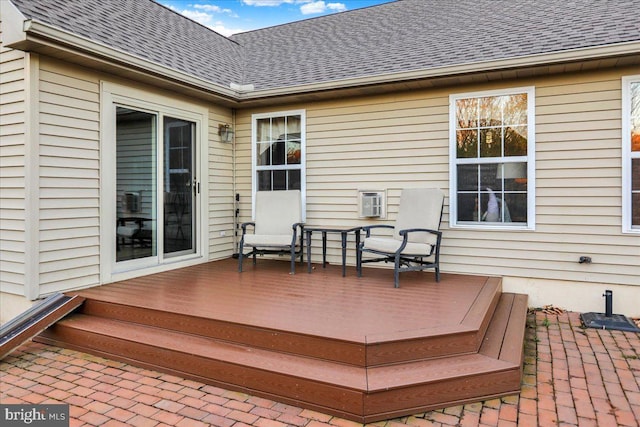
<point x="627" y="155"/>
<point x="303" y="150"/>
<point x="529" y="158"/>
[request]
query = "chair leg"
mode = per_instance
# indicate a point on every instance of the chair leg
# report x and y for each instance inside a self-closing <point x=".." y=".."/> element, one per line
<point x="396" y="272"/>
<point x="301" y="248"/>
<point x="437" y="258"/>
<point x="359" y="261"/>
<point x="240" y="252"/>
<point x="293" y="260"/>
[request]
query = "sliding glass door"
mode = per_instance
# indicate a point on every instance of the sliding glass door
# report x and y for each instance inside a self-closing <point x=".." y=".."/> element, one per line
<point x="180" y="187"/>
<point x="156" y="187"/>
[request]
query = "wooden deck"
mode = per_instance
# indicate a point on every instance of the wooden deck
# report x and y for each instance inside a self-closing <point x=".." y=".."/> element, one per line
<point x="348" y="346"/>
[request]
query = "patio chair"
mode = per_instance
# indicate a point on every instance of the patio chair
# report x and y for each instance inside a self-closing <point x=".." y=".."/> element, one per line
<point x="415" y="242"/>
<point x="277" y="228"/>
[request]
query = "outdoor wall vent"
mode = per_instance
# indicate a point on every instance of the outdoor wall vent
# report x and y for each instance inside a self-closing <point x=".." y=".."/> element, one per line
<point x="372" y="204"/>
<point x="242" y="88"/>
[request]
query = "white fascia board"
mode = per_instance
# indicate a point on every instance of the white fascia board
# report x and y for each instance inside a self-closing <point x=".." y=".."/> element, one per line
<point x="43" y="31"/>
<point x="582" y="54"/>
<point x="13" y="22"/>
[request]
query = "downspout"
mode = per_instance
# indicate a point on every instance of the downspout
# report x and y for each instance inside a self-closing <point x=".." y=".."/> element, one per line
<point x="236" y="195"/>
<point x="239" y="88"/>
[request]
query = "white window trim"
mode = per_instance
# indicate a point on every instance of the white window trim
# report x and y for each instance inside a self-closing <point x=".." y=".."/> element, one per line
<point x="627" y="154"/>
<point x="531" y="166"/>
<point x="115" y="94"/>
<point x="303" y="155"/>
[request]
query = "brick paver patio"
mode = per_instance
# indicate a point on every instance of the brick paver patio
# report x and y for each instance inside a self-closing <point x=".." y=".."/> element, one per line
<point x="572" y="376"/>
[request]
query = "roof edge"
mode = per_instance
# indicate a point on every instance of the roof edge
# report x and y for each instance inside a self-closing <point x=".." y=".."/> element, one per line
<point x="19" y="31"/>
<point x="35" y="31"/>
<point x="572" y="55"/>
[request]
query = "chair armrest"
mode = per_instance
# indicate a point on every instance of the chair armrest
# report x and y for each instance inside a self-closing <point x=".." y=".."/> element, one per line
<point x="368" y="228"/>
<point x="405" y="238"/>
<point x="419" y="230"/>
<point x="244" y="226"/>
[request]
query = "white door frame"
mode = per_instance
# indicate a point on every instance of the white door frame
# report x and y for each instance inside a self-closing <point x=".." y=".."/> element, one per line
<point x="113" y="95"/>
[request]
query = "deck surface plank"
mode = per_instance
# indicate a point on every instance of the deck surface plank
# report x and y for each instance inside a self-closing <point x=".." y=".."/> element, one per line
<point x="493" y="340"/>
<point x="512" y="349"/>
<point x="322" y="303"/>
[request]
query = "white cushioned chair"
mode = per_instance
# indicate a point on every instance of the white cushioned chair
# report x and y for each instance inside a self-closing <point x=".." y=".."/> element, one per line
<point x="415" y="242"/>
<point x="277" y="228"/>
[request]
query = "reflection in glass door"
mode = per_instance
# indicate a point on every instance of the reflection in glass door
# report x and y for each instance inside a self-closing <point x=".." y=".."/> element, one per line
<point x="136" y="184"/>
<point x="179" y="187"/>
<point x="154" y="221"/>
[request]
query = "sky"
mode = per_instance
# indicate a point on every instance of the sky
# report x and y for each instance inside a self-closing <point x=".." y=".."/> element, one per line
<point x="228" y="17"/>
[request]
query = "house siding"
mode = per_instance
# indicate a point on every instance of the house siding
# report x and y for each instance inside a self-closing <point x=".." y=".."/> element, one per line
<point x="69" y="226"/>
<point x="369" y="143"/>
<point x="70" y="187"/>
<point x="221" y="194"/>
<point x="402" y="140"/>
<point x="383" y="142"/>
<point x="13" y="96"/>
<point x="67" y="131"/>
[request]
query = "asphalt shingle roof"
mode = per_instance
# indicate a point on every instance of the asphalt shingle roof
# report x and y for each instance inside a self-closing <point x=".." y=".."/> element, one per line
<point x="406" y="35"/>
<point x="145" y="29"/>
<point x="414" y="35"/>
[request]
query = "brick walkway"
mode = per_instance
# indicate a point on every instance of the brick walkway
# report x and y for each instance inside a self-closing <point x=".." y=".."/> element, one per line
<point x="572" y="376"/>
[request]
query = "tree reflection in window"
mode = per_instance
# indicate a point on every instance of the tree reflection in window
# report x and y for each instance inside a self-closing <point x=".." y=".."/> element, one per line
<point x="279" y="149"/>
<point x="491" y="146"/>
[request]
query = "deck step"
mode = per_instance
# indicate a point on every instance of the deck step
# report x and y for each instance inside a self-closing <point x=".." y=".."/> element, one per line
<point x="374" y="349"/>
<point x="361" y="393"/>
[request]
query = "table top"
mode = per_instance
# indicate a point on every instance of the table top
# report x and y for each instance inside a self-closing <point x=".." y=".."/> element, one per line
<point x="134" y="218"/>
<point x="332" y="228"/>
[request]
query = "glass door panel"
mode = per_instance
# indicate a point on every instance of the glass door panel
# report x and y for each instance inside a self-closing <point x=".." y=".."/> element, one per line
<point x="180" y="187"/>
<point x="136" y="185"/>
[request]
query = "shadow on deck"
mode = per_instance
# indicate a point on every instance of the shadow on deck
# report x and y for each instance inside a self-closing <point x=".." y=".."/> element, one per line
<point x="347" y="346"/>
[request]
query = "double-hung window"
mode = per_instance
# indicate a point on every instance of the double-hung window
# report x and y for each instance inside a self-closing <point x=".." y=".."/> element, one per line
<point x="279" y="151"/>
<point x="631" y="154"/>
<point x="492" y="159"/>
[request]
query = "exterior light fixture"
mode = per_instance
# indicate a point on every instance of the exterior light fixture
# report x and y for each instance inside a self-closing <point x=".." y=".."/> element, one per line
<point x="226" y="132"/>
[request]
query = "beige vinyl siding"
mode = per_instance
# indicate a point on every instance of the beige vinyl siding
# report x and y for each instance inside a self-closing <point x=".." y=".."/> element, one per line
<point x="69" y="177"/>
<point x="578" y="193"/>
<point x="13" y="95"/>
<point x="69" y="127"/>
<point x="401" y="140"/>
<point x="221" y="196"/>
<point x="373" y="143"/>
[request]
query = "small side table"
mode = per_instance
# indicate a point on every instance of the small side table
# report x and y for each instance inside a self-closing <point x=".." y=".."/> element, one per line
<point x="344" y="231"/>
